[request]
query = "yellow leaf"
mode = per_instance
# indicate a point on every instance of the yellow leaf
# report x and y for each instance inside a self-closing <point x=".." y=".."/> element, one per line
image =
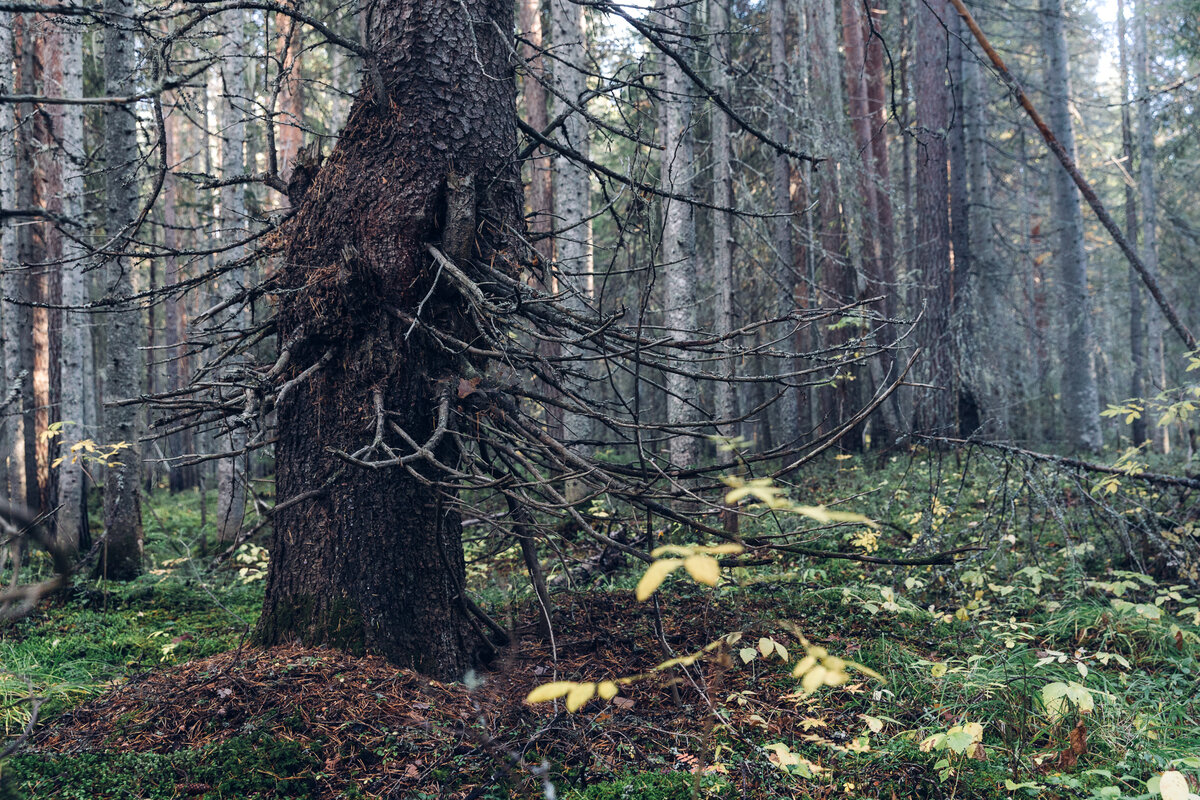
<point x="656" y="573"/>
<point x="672" y="550"/>
<point x="703" y="569"/>
<point x="813" y="679"/>
<point x="607" y="689"/>
<point x="825" y="516"/>
<point x="874" y="723"/>
<point x="937" y="670"/>
<point x="579" y="695"/>
<point x="765" y="646"/>
<point x="1173" y="786"/>
<point x="550" y="691"/>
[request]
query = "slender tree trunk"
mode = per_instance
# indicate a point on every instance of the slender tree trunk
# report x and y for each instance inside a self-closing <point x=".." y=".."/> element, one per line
<point x="76" y="347"/>
<point x="572" y="198"/>
<point x="372" y="560"/>
<point x="289" y="131"/>
<point x="722" y="221"/>
<point x="539" y="195"/>
<point x="8" y="261"/>
<point x="935" y="412"/>
<point x="1137" y="324"/>
<point x="781" y="207"/>
<point x="1080" y="396"/>
<point x="678" y="228"/>
<point x="121" y="558"/>
<point x="23" y="287"/>
<point x="234" y="105"/>
<point x="1149" y="203"/>
<point x="991" y="332"/>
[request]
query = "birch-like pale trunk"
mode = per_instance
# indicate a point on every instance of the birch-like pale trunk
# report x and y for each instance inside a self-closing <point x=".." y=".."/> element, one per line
<point x="725" y="400"/>
<point x="1149" y="203"/>
<point x="121" y="557"/>
<point x="1080" y="396"/>
<point x="232" y="471"/>
<point x="678" y="228"/>
<point x="572" y="198"/>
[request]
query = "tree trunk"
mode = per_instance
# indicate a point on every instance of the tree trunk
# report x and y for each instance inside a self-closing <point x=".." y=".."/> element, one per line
<point x="678" y="229"/>
<point x="1137" y="330"/>
<point x="231" y="472"/>
<point x="725" y="405"/>
<point x="289" y="131"/>
<point x="1149" y="203"/>
<point x="1080" y="396"/>
<point x="121" y="558"/>
<point x="76" y="349"/>
<point x="372" y="560"/>
<point x="573" y="267"/>
<point x="8" y="257"/>
<point x="781" y="207"/>
<point x="935" y="411"/>
<point x="19" y="345"/>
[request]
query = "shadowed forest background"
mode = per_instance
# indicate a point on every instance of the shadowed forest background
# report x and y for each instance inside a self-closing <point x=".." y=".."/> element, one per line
<point x="569" y="398"/>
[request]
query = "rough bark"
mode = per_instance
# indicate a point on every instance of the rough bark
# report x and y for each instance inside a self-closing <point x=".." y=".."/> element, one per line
<point x="935" y="408"/>
<point x="678" y="228"/>
<point x="573" y="267"/>
<point x="1080" y="396"/>
<point x="8" y="251"/>
<point x="76" y="348"/>
<point x="372" y="560"/>
<point x="121" y="557"/>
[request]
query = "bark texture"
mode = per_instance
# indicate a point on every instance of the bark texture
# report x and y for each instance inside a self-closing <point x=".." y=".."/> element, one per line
<point x="1080" y="396"/>
<point x="121" y="558"/>
<point x="678" y="226"/>
<point x="76" y="348"/>
<point x="936" y="410"/>
<point x="372" y="560"/>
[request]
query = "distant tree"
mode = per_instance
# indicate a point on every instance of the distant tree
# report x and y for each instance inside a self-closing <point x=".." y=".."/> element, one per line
<point x="1080" y="395"/>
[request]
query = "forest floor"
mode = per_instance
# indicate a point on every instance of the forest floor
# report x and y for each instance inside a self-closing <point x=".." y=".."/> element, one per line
<point x="150" y="690"/>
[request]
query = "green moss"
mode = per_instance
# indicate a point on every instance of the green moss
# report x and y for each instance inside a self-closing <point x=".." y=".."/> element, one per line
<point x="246" y="767"/>
<point x="653" y="786"/>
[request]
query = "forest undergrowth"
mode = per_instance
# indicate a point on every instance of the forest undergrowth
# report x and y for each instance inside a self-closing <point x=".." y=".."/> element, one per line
<point x="1059" y="659"/>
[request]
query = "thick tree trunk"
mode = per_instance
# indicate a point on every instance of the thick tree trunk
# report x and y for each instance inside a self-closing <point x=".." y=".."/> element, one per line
<point x="935" y="409"/>
<point x="1080" y="396"/>
<point x="121" y="558"/>
<point x="371" y="560"/>
<point x="678" y="228"/>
